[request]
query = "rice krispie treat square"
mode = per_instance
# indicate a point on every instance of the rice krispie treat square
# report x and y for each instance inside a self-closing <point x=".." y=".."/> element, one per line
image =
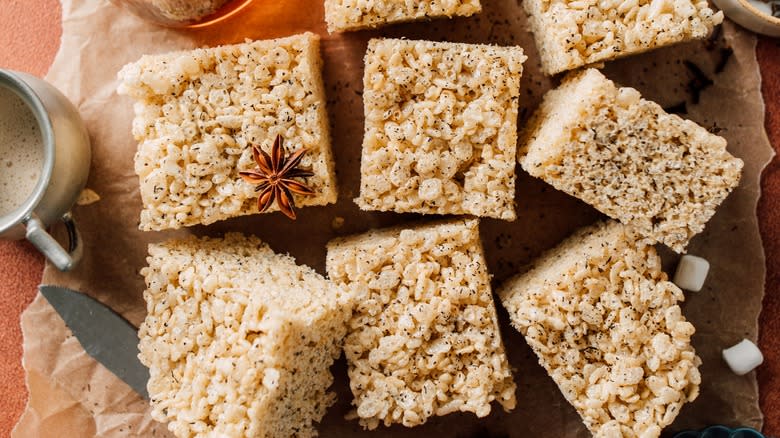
<point x="199" y="112"/>
<point x="238" y="340"/>
<point x="344" y="15"/>
<point x="441" y="128"/>
<point x="605" y="324"/>
<point x="423" y="339"/>
<point x="628" y="158"/>
<point x="574" y="33"/>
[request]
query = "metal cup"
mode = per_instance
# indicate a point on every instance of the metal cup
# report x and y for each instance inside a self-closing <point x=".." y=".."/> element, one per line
<point x="66" y="164"/>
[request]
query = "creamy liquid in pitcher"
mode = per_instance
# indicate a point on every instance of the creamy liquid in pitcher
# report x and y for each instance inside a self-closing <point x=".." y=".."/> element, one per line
<point x="21" y="151"/>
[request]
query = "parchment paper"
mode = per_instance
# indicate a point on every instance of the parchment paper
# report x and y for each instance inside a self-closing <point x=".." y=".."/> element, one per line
<point x="715" y="83"/>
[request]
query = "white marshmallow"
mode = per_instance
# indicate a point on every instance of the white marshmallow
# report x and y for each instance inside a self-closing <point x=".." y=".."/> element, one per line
<point x="743" y="357"/>
<point x="691" y="273"/>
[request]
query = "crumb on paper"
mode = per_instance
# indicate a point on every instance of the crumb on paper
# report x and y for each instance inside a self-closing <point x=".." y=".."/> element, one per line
<point x="87" y="197"/>
<point x="337" y="222"/>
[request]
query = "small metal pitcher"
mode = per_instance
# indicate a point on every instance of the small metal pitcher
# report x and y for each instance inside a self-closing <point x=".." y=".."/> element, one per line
<point x="66" y="164"/>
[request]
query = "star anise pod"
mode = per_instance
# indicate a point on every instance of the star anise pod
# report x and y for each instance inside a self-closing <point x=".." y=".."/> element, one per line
<point x="274" y="175"/>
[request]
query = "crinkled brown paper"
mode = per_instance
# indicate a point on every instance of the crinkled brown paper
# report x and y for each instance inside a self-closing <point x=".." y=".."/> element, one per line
<point x="716" y="83"/>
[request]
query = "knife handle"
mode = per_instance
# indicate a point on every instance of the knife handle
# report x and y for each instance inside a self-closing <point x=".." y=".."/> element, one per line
<point x="64" y="260"/>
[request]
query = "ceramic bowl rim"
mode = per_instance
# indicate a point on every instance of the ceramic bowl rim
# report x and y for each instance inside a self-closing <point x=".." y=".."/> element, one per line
<point x="775" y="21"/>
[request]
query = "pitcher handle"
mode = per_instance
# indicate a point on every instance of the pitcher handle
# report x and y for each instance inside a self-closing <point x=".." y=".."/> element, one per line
<point x="64" y="260"/>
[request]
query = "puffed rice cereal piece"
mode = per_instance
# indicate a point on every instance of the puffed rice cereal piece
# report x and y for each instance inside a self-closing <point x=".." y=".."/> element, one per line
<point x="198" y="112"/>
<point x="574" y="33"/>
<point x="238" y="340"/>
<point x="344" y="15"/>
<point x="423" y="339"/>
<point x="628" y="158"/>
<point x="605" y="323"/>
<point x="441" y="128"/>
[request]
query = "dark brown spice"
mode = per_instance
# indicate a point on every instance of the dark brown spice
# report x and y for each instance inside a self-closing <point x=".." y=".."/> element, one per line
<point x="274" y="175"/>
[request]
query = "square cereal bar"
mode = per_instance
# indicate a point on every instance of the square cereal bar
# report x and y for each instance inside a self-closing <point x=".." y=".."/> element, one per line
<point x="604" y="322"/>
<point x="199" y="112"/>
<point x="628" y="158"/>
<point x="441" y="128"/>
<point x="423" y="339"/>
<point x="238" y="340"/>
<point x="574" y="33"/>
<point x="344" y="15"/>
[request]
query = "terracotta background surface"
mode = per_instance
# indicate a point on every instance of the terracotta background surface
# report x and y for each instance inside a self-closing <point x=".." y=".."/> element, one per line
<point x="29" y="37"/>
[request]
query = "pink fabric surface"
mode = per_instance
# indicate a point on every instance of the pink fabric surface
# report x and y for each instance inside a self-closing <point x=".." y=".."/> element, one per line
<point x="20" y="272"/>
<point x="30" y="31"/>
<point x="30" y="34"/>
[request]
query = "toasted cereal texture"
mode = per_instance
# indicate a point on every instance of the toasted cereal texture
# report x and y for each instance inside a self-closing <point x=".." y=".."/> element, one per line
<point x="344" y="15"/>
<point x="440" y="128"/>
<point x="238" y="340"/>
<point x="628" y="158"/>
<point x="604" y="322"/>
<point x="198" y="113"/>
<point x="574" y="33"/>
<point x="423" y="339"/>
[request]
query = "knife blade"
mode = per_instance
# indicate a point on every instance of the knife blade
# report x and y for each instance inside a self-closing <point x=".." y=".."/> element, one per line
<point x="103" y="334"/>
